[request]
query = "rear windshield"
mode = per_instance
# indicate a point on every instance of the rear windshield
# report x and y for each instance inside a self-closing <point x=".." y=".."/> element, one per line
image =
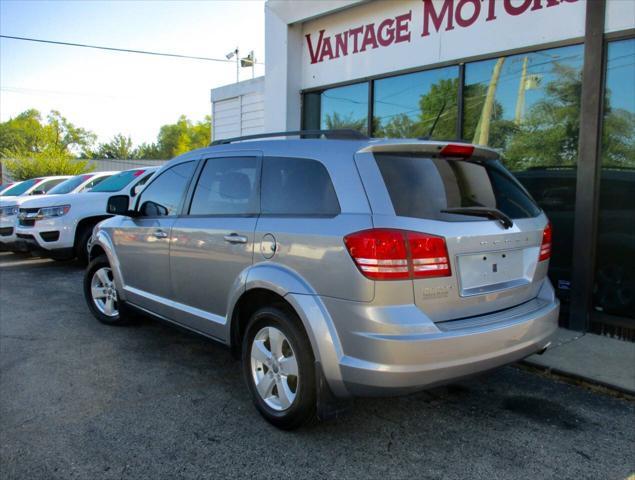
<point x="117" y="182"/>
<point x="421" y="187"/>
<point x="20" y="188"/>
<point x="69" y="185"/>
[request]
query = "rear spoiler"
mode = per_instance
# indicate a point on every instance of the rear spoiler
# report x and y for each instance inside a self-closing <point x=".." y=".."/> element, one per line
<point x="445" y="149"/>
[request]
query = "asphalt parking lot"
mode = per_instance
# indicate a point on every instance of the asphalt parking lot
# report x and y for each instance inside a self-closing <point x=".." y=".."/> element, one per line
<point x="82" y="400"/>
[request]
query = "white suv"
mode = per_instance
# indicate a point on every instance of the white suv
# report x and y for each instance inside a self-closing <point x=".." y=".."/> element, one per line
<point x="16" y="194"/>
<point x="61" y="225"/>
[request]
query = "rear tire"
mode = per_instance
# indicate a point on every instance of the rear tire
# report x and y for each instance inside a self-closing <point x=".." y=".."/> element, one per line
<point x="278" y="365"/>
<point x="101" y="295"/>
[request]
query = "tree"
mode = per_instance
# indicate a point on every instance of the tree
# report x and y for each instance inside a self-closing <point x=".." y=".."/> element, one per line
<point x="119" y="147"/>
<point x="147" y="151"/>
<point x="335" y="121"/>
<point x="183" y="136"/>
<point x="27" y="133"/>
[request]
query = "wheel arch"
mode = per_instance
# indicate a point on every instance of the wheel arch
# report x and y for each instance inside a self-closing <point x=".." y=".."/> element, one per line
<point x="269" y="284"/>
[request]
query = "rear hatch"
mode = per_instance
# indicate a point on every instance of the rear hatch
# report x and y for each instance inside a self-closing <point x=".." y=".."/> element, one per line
<point x="496" y="238"/>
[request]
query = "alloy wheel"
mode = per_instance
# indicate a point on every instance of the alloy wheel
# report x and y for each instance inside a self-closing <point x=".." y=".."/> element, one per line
<point x="103" y="292"/>
<point x="274" y="368"/>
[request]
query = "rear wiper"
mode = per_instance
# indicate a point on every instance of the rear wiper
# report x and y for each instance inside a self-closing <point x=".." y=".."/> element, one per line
<point x="482" y="212"/>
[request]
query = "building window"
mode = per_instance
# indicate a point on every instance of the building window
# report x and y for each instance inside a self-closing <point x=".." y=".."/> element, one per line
<point x="345" y="107"/>
<point x="528" y="107"/>
<point x="615" y="260"/>
<point x="407" y="106"/>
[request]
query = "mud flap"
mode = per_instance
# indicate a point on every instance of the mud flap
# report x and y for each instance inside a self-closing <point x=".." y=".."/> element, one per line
<point x="329" y="406"/>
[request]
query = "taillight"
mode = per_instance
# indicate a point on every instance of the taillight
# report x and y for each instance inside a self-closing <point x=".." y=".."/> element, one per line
<point x="457" y="150"/>
<point x="391" y="254"/>
<point x="429" y="255"/>
<point x="545" y="247"/>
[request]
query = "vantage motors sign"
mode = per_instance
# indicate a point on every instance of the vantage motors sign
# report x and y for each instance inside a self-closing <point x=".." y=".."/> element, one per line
<point x="384" y="36"/>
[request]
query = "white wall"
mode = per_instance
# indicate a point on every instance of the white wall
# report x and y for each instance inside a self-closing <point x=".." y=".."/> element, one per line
<point x="238" y="109"/>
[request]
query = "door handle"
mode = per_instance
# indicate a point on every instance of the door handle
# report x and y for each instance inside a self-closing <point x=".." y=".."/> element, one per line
<point x="235" y="238"/>
<point x="160" y="234"/>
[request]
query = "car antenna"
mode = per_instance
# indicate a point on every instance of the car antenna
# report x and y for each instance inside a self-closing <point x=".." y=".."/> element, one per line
<point x="436" y="120"/>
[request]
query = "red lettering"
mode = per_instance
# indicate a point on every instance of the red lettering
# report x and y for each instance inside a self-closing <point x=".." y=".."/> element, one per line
<point x="462" y="22"/>
<point x="314" y="53"/>
<point x="385" y="32"/>
<point x="491" y="11"/>
<point x="512" y="10"/>
<point x="369" y="37"/>
<point x="552" y="3"/>
<point x="354" y="32"/>
<point x="341" y="44"/>
<point x="327" y="49"/>
<point x="429" y="13"/>
<point x="537" y="5"/>
<point x="402" y="32"/>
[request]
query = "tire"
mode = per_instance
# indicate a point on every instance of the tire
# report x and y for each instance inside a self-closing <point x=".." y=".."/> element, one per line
<point x="107" y="309"/>
<point x="297" y="404"/>
<point x="81" y="244"/>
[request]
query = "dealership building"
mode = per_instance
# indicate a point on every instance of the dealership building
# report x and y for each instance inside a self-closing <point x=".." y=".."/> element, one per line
<point x="550" y="84"/>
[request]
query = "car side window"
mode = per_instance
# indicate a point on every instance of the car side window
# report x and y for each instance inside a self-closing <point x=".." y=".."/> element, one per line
<point x="94" y="182"/>
<point x="48" y="184"/>
<point x="227" y="186"/>
<point x="163" y="196"/>
<point x="297" y="187"/>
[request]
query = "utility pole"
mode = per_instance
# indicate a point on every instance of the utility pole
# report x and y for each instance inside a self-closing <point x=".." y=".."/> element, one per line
<point x="237" y="65"/>
<point x="481" y="135"/>
<point x="522" y="88"/>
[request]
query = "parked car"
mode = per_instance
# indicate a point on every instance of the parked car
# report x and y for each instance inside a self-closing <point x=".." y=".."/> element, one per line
<point x="334" y="267"/>
<point x="80" y="183"/>
<point x="11" y="199"/>
<point x="61" y="225"/>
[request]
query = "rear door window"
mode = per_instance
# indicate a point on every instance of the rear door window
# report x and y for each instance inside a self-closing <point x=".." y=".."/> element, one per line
<point x="227" y="186"/>
<point x="422" y="187"/>
<point x="297" y="187"/>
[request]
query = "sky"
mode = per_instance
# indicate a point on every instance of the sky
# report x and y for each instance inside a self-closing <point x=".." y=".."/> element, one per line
<point x="114" y="92"/>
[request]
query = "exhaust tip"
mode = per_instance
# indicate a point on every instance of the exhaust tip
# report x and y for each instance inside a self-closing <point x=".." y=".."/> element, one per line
<point x="544" y="349"/>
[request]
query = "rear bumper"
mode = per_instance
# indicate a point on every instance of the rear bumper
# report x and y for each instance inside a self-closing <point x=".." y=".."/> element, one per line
<point x="387" y="361"/>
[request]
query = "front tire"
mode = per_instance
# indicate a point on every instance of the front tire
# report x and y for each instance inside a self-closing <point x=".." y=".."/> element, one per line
<point x="278" y="365"/>
<point x="81" y="244"/>
<point x="101" y="294"/>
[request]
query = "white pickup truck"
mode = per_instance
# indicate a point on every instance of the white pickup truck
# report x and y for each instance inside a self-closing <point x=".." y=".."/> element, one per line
<point x="60" y="226"/>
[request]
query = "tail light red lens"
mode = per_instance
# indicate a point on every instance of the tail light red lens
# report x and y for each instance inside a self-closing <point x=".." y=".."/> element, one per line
<point x="391" y="254"/>
<point x="545" y="247"/>
<point x="457" y="150"/>
<point x="429" y="255"/>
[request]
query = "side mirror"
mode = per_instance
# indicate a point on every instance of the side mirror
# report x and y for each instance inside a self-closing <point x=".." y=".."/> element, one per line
<point x="118" y="205"/>
<point x="38" y="192"/>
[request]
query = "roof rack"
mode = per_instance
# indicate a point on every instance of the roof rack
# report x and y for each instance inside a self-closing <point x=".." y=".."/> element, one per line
<point x="341" y="134"/>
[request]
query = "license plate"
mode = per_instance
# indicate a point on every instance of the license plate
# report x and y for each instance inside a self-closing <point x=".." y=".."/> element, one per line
<point x="486" y="272"/>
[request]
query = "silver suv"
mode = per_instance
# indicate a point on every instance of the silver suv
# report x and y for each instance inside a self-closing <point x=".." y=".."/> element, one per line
<point x="334" y="266"/>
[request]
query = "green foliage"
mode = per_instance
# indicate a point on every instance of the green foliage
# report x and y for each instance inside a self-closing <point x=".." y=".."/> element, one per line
<point x="335" y="121"/>
<point x="119" y="147"/>
<point x="440" y="101"/>
<point x="183" y="136"/>
<point x="39" y="164"/>
<point x="28" y="134"/>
